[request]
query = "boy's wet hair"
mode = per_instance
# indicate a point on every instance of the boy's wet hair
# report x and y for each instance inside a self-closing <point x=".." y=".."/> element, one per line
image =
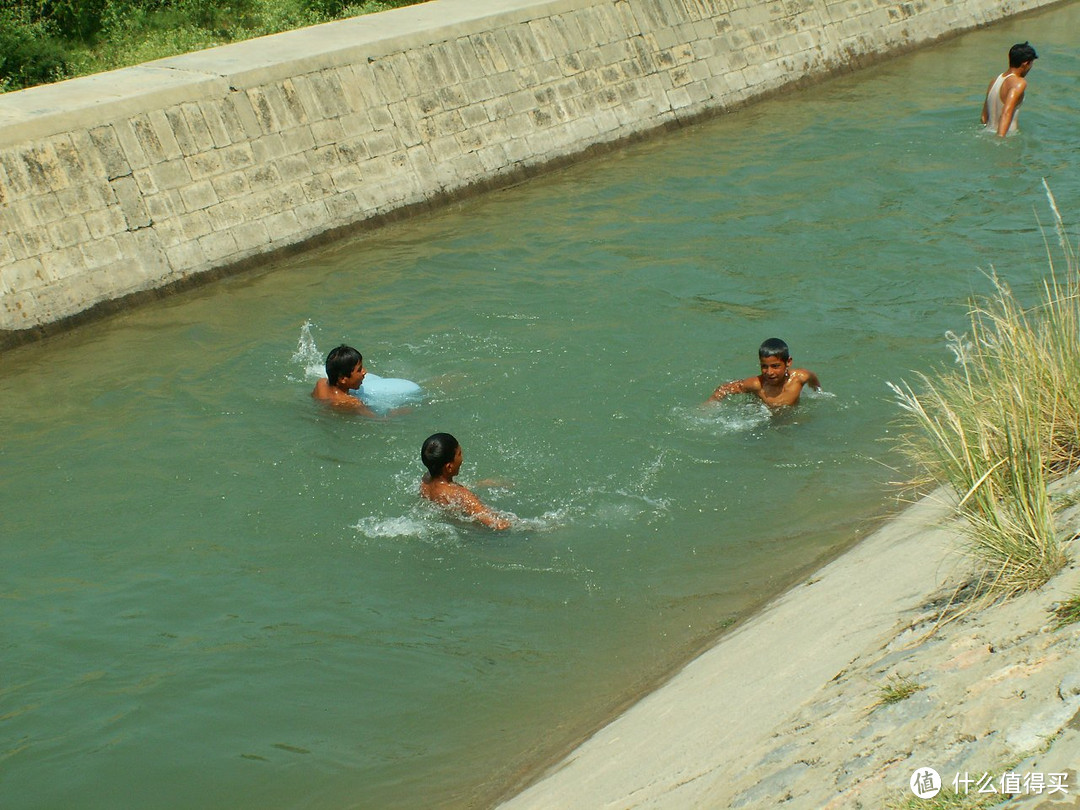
<point x="341" y="362"/>
<point x="774" y="347"/>
<point x="438" y="451"/>
<point x="1021" y="52"/>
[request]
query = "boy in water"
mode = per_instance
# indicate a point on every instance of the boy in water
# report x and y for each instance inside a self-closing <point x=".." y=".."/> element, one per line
<point x="344" y="372"/>
<point x="1006" y="91"/>
<point x="441" y="454"/>
<point x="778" y="383"/>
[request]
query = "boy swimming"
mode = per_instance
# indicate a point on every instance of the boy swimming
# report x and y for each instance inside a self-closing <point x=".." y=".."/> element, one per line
<point x="778" y="384"/>
<point x="344" y="373"/>
<point x="441" y="454"/>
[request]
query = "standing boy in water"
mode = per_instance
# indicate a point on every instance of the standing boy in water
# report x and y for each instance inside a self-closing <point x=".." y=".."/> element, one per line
<point x="344" y="373"/>
<point x="1005" y="92"/>
<point x="441" y="454"/>
<point x="778" y="384"/>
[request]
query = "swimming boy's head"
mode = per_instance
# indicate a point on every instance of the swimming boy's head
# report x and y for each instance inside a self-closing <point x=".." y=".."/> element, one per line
<point x="439" y="449"/>
<point x="1021" y="52"/>
<point x="341" y="362"/>
<point x="774" y="347"/>
<point x="775" y="361"/>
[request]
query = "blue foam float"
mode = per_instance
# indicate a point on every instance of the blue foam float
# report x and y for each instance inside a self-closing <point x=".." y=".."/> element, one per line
<point x="384" y="393"/>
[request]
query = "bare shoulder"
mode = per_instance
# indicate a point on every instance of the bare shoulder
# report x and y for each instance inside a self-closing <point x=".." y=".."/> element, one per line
<point x="804" y="376"/>
<point x="324" y="392"/>
<point x="448" y="493"/>
<point x="1015" y="84"/>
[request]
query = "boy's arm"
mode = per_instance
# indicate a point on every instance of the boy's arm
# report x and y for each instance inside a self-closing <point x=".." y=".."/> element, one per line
<point x="747" y="386"/>
<point x="807" y="377"/>
<point x="477" y="510"/>
<point x="324" y="392"/>
<point x="986" y="103"/>
<point x="354" y="404"/>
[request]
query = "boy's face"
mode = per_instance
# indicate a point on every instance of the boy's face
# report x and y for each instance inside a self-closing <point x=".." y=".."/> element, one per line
<point x="773" y="369"/>
<point x="356" y="377"/>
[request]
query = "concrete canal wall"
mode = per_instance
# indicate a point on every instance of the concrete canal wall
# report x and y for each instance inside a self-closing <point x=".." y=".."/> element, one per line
<point x="147" y="178"/>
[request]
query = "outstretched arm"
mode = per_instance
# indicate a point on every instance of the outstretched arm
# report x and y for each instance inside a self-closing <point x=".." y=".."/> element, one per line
<point x="478" y="511"/>
<point x="746" y="386"/>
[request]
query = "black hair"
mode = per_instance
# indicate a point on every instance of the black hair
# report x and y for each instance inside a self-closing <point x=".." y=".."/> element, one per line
<point x="774" y="347"/>
<point x="1021" y="52"/>
<point x="438" y="451"/>
<point x="341" y="362"/>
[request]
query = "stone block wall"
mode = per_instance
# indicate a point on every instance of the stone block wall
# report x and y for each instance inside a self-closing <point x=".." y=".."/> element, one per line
<point x="147" y="177"/>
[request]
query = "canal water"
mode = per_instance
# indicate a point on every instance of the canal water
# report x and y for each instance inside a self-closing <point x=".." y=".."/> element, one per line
<point x="218" y="594"/>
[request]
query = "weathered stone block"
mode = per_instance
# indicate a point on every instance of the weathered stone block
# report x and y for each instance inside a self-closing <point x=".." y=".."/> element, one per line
<point x="346" y="178"/>
<point x="313" y="216"/>
<point x="68" y="231"/>
<point x="344" y="208"/>
<point x="101" y="253"/>
<point x="204" y="164"/>
<point x="171" y="174"/>
<point x="198" y="196"/>
<point x="216" y="122"/>
<point x="218" y="245"/>
<point x="284" y="226"/>
<point x="250" y="236"/>
<point x="318" y="186"/>
<point x="327" y="132"/>
<point x="225" y="215"/>
<point x="27" y="274"/>
<point x="185" y="257"/>
<point x="106" y="221"/>
<point x="192" y="225"/>
<point x="62" y="263"/>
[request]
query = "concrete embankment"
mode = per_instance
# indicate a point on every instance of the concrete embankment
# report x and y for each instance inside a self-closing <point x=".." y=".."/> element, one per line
<point x="800" y="707"/>
<point x="146" y="178"/>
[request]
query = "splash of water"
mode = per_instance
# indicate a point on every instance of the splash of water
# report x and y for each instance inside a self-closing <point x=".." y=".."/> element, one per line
<point x="307" y="354"/>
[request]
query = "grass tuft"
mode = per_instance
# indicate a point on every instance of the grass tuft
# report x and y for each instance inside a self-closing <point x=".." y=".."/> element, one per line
<point x="1005" y="422"/>
<point x="897" y="688"/>
<point x="948" y="799"/>
<point x="1067" y="612"/>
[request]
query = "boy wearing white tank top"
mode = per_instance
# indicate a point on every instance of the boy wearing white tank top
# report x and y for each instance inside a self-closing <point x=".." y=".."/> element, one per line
<point x="1006" y="92"/>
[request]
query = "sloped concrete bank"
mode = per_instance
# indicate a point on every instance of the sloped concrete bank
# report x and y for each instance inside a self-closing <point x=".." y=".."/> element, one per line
<point x="147" y="178"/>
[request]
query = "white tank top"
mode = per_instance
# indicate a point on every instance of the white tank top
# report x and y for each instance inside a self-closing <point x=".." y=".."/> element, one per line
<point x="994" y="106"/>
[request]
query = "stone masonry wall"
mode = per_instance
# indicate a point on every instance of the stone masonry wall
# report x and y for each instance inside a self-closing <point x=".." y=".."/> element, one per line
<point x="143" y="178"/>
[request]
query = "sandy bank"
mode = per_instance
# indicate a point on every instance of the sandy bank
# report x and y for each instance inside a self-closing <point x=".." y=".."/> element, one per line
<point x="782" y="710"/>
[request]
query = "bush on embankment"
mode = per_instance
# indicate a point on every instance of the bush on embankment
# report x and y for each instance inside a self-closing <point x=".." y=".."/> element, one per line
<point x="45" y="41"/>
<point x="1006" y="421"/>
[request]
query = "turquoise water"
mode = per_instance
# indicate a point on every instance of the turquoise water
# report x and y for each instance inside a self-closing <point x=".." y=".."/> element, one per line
<point x="218" y="594"/>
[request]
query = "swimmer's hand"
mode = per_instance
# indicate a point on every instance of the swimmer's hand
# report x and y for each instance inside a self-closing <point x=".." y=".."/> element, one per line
<point x="496" y="522"/>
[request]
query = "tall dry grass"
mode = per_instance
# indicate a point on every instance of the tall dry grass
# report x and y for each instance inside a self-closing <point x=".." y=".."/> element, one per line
<point x="1004" y="422"/>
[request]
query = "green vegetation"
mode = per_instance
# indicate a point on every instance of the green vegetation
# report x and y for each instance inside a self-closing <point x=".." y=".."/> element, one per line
<point x="1005" y="422"/>
<point x="948" y="799"/>
<point x="897" y="688"/>
<point x="44" y="41"/>
<point x="1067" y="612"/>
